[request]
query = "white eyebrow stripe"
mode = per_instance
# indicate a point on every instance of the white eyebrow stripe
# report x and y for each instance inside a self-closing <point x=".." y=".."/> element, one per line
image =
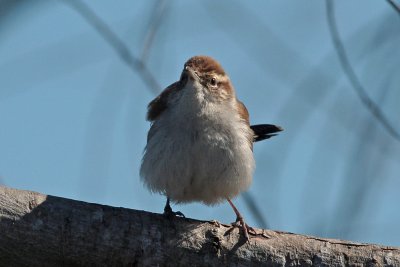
<point x="222" y="78"/>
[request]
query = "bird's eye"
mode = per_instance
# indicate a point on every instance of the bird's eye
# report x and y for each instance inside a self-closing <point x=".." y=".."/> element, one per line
<point x="213" y="81"/>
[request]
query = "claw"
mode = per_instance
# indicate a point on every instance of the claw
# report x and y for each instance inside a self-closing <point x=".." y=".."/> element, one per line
<point x="245" y="228"/>
<point x="169" y="213"/>
<point x="241" y="223"/>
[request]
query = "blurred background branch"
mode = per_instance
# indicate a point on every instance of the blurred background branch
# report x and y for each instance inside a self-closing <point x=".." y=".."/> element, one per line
<point x="136" y="64"/>
<point x="368" y="103"/>
<point x="394" y="5"/>
<point x="159" y="11"/>
<point x="255" y="210"/>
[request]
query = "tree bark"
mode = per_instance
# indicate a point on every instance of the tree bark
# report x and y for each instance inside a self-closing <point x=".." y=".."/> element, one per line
<point x="40" y="230"/>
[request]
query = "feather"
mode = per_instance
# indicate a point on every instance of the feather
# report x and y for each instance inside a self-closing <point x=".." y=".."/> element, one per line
<point x="265" y="131"/>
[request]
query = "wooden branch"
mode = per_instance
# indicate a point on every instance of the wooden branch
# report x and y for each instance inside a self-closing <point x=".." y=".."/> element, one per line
<point x="40" y="230"/>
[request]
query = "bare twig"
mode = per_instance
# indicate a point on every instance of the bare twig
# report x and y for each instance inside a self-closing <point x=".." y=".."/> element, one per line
<point x="155" y="21"/>
<point x="119" y="46"/>
<point x="394" y="5"/>
<point x="351" y="75"/>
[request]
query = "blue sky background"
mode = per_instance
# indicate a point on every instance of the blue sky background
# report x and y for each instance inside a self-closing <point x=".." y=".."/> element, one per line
<point x="72" y="113"/>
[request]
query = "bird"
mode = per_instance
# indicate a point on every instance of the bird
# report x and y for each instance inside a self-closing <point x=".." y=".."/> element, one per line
<point x="200" y="142"/>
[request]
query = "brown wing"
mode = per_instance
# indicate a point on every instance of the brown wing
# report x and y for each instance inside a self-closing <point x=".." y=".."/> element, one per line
<point x="244" y="114"/>
<point x="160" y="103"/>
<point x="261" y="131"/>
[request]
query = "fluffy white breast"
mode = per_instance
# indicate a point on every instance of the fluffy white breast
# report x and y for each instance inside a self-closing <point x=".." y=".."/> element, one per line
<point x="198" y="151"/>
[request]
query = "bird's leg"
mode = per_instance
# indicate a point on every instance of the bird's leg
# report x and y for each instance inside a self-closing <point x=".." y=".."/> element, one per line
<point x="239" y="220"/>
<point x="169" y="213"/>
<point x="167" y="208"/>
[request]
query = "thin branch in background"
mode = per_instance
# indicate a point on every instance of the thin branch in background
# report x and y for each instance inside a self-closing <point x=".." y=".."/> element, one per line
<point x="352" y="77"/>
<point x="394" y="5"/>
<point x="137" y="65"/>
<point x="255" y="210"/>
<point x="154" y="24"/>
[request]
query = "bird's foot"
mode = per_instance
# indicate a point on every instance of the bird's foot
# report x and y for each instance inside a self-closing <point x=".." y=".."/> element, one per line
<point x="247" y="230"/>
<point x="170" y="214"/>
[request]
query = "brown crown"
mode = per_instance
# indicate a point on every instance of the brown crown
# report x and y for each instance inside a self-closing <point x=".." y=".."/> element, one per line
<point x="205" y="64"/>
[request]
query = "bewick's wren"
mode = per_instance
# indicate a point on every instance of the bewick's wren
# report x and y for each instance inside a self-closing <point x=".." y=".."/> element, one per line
<point x="200" y="144"/>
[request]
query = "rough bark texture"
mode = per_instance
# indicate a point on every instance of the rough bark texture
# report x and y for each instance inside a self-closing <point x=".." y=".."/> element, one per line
<point x="40" y="230"/>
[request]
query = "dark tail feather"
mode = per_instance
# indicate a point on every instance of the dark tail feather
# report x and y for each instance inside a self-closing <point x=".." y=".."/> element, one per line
<point x="265" y="131"/>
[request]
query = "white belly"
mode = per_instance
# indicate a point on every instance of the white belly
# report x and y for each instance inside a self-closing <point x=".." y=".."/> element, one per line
<point x="190" y="158"/>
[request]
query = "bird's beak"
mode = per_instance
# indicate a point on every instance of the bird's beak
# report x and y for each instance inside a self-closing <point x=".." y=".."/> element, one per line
<point x="191" y="73"/>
